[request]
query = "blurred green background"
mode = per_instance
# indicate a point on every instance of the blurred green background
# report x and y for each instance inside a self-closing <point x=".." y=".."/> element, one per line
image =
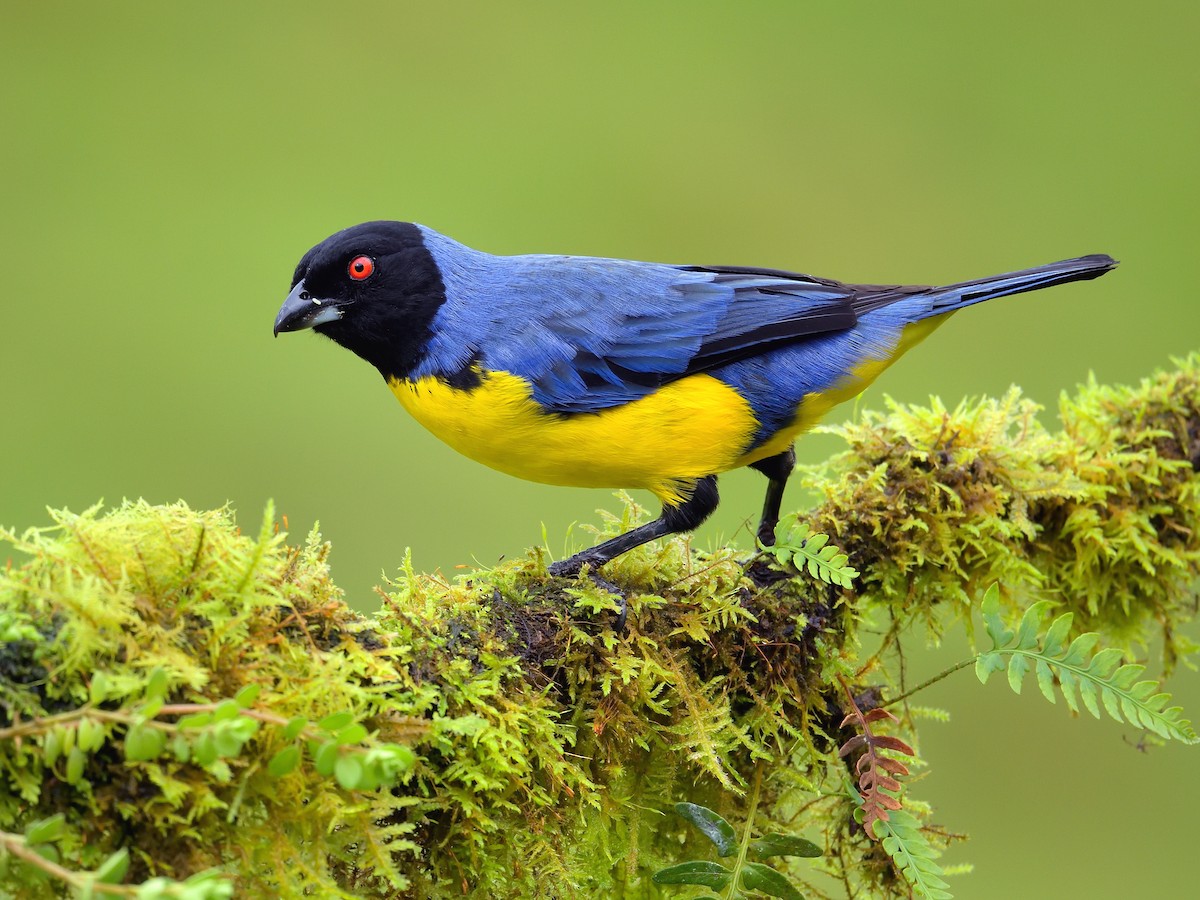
<point x="165" y="166"/>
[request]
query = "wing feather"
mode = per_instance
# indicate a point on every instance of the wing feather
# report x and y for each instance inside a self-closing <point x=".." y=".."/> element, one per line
<point x="590" y="333"/>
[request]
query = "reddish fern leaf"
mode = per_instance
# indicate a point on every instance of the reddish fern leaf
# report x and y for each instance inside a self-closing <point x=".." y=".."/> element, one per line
<point x="877" y="774"/>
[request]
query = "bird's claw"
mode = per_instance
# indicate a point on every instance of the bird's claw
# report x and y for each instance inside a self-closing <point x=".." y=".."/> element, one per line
<point x="569" y="568"/>
<point x="565" y="568"/>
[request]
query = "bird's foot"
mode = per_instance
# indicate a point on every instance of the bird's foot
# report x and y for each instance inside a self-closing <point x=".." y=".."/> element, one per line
<point x="566" y="568"/>
<point x="569" y="568"/>
<point x="766" y="533"/>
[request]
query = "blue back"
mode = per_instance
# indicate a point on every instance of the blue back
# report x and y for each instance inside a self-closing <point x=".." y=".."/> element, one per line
<point x="589" y="334"/>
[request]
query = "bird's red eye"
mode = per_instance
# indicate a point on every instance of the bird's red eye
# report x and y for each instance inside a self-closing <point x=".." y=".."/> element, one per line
<point x="361" y="268"/>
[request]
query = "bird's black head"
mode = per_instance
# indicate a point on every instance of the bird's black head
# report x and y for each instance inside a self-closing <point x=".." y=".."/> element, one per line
<point x="373" y="288"/>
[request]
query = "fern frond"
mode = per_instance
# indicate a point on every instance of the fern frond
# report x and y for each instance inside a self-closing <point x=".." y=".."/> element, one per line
<point x="876" y="773"/>
<point x="913" y="856"/>
<point x="1123" y="695"/>
<point x="802" y="548"/>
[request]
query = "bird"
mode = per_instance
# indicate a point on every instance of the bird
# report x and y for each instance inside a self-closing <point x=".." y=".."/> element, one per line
<point x="614" y="373"/>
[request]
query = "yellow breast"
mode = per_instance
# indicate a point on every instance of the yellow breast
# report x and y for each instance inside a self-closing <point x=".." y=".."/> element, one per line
<point x="690" y="428"/>
<point x="662" y="442"/>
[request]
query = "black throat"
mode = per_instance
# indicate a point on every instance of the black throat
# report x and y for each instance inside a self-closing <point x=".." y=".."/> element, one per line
<point x="388" y="321"/>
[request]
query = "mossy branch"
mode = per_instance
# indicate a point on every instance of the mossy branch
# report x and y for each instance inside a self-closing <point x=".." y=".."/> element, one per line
<point x="199" y="699"/>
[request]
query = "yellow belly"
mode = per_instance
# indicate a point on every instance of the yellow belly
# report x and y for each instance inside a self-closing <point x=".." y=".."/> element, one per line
<point x="662" y="442"/>
<point x="690" y="428"/>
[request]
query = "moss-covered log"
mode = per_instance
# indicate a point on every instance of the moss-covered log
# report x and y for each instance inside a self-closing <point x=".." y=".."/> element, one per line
<point x="196" y="698"/>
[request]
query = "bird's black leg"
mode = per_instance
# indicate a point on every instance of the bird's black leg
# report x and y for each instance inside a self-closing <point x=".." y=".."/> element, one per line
<point x="777" y="468"/>
<point x="674" y="519"/>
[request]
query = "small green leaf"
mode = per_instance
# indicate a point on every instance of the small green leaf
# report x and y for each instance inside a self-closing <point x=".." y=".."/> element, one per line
<point x="1080" y="649"/>
<point x="1056" y="635"/>
<point x="986" y="664"/>
<point x="1067" y="685"/>
<point x="1017" y="667"/>
<point x="705" y="874"/>
<point x="211" y="884"/>
<point x="47" y="852"/>
<point x="391" y="760"/>
<point x="195" y="720"/>
<point x="993" y="623"/>
<point x="75" y="762"/>
<point x="283" y="762"/>
<point x="1109" y="701"/>
<point x="336" y="721"/>
<point x="157" y="888"/>
<point x="98" y="688"/>
<point x="351" y="734"/>
<point x="348" y="770"/>
<point x="157" y="684"/>
<point x="43" y="831"/>
<point x="816" y="542"/>
<point x="149" y="709"/>
<point x="1105" y="663"/>
<point x="114" y="869"/>
<point x="1126" y="677"/>
<point x="246" y="696"/>
<point x="90" y="736"/>
<point x="52" y="746"/>
<point x="1045" y="679"/>
<point x="759" y="877"/>
<point x="369" y="780"/>
<point x="1027" y="632"/>
<point x="784" y="845"/>
<point x="244" y="727"/>
<point x="144" y="743"/>
<point x="326" y="758"/>
<point x="205" y="750"/>
<point x="293" y="728"/>
<point x="711" y="825"/>
<point x="228" y="740"/>
<point x="226" y="710"/>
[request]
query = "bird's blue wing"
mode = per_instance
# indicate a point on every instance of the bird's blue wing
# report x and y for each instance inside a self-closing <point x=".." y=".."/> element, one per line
<point x="589" y="333"/>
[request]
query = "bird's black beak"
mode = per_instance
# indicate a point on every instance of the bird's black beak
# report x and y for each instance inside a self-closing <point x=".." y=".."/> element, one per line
<point x="302" y="310"/>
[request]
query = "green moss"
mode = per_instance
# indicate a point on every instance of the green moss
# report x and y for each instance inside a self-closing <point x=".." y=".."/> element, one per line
<point x="549" y="747"/>
<point x="1102" y="518"/>
<point x="144" y="588"/>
